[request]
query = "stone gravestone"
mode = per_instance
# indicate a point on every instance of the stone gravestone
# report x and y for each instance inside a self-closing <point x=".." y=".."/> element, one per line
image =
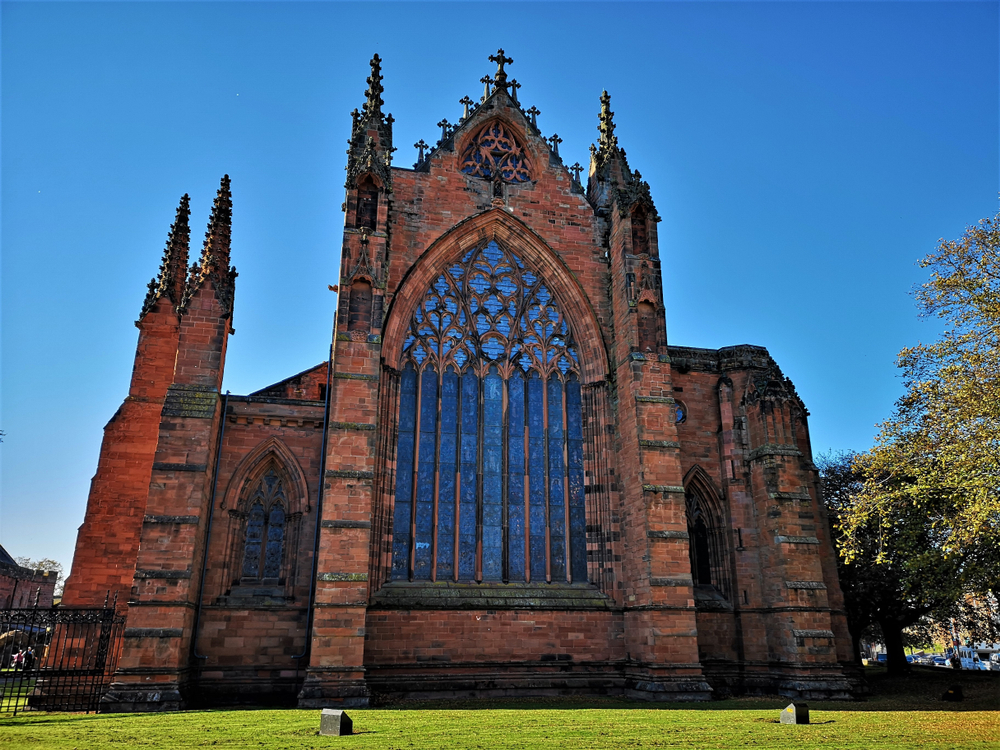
<point x="954" y="693"/>
<point x="335" y="722"/>
<point x="795" y="713"/>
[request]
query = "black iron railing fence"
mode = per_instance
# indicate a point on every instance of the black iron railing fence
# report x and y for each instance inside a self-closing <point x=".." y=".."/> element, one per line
<point x="58" y="658"/>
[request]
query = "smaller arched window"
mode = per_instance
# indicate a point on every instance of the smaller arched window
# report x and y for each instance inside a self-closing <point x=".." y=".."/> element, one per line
<point x="366" y="213"/>
<point x="647" y="327"/>
<point x="264" y="538"/>
<point x="707" y="548"/>
<point x="640" y="231"/>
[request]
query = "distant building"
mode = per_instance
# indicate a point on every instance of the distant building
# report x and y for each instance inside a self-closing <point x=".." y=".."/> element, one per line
<point x="19" y="585"/>
<point x="504" y="481"/>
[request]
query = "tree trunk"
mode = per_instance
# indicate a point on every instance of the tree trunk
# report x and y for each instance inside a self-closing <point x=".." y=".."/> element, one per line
<point x="895" y="653"/>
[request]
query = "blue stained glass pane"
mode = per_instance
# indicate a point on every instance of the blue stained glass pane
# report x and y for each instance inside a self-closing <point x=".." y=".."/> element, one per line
<point x="461" y="357"/>
<point x="492" y="477"/>
<point x="543" y="295"/>
<point x="528" y="276"/>
<point x="536" y="477"/>
<point x="492" y="348"/>
<point x="469" y="457"/>
<point x="479" y="282"/>
<point x="493" y="304"/>
<point x="446" y="486"/>
<point x="503" y="325"/>
<point x="425" y="475"/>
<point x="441" y="285"/>
<point x="557" y="472"/>
<point x="401" y="516"/>
<point x="275" y="541"/>
<point x="515" y="479"/>
<point x="506" y="286"/>
<point x="492" y="253"/>
<point x="577" y="508"/>
<point x="482" y="324"/>
<point x="253" y="542"/>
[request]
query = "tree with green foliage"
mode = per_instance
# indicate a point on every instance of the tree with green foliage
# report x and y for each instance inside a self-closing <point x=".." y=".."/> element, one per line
<point x="927" y="511"/>
<point x="895" y="575"/>
<point x="939" y="453"/>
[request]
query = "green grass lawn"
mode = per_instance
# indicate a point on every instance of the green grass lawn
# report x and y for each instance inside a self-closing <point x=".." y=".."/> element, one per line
<point x="901" y="714"/>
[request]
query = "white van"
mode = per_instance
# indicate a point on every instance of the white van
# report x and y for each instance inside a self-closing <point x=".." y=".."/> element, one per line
<point x="970" y="659"/>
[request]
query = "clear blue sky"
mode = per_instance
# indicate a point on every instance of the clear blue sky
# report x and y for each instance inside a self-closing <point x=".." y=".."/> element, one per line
<point x="803" y="157"/>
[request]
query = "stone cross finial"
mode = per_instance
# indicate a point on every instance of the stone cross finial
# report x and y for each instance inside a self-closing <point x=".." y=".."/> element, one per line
<point x="500" y="60"/>
<point x="576" y="169"/>
<point x="466" y="102"/>
<point x="534" y="112"/>
<point x="444" y="124"/>
<point x="420" y="146"/>
<point x="514" y="86"/>
<point x="554" y="141"/>
<point x="486" y="81"/>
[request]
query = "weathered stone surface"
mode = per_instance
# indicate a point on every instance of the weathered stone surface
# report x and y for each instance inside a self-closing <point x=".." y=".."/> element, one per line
<point x="335" y="722"/>
<point x="795" y="713"/>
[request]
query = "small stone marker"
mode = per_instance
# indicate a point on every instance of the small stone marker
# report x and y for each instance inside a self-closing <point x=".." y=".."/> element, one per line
<point x="954" y="693"/>
<point x="335" y="723"/>
<point x="795" y="713"/>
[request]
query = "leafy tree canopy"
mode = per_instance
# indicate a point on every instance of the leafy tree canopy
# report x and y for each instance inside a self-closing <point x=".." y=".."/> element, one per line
<point x="939" y="453"/>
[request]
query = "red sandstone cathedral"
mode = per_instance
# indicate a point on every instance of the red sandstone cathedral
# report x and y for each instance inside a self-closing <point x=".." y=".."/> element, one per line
<point x="504" y="480"/>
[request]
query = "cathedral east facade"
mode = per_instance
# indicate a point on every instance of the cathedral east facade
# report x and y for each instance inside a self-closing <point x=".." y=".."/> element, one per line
<point x="503" y="481"/>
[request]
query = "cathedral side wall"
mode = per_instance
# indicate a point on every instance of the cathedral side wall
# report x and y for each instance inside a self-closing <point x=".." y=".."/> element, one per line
<point x="249" y="633"/>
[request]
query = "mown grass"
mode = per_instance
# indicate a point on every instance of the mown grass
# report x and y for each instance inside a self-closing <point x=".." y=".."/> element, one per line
<point x="902" y="714"/>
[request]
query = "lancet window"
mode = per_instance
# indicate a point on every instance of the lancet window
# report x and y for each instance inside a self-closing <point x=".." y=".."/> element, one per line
<point x="496" y="154"/>
<point x="264" y="540"/>
<point x="707" y="548"/>
<point x="489" y="460"/>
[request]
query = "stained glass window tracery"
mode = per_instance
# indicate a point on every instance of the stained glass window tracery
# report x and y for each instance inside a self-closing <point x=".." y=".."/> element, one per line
<point x="263" y="545"/>
<point x="495" y="153"/>
<point x="489" y="466"/>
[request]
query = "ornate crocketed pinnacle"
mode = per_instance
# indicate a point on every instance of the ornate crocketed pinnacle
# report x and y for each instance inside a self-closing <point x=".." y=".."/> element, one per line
<point x="373" y="94"/>
<point x="514" y="86"/>
<point x="487" y="82"/>
<point x="466" y="102"/>
<point x="534" y="112"/>
<point x="576" y="169"/>
<point x="170" y="281"/>
<point x="554" y="141"/>
<point x="214" y="261"/>
<point x="420" y="146"/>
<point x="607" y="139"/>
<point x="444" y="125"/>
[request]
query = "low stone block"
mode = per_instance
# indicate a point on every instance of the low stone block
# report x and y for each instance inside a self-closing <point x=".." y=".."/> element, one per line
<point x="954" y="694"/>
<point x="795" y="713"/>
<point x="334" y="722"/>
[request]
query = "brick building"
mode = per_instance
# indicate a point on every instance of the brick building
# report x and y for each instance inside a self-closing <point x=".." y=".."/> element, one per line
<point x="22" y="587"/>
<point x="504" y="479"/>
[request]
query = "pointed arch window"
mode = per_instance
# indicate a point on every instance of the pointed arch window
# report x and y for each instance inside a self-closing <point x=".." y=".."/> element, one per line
<point x="264" y="539"/>
<point x="489" y="461"/>
<point x="707" y="548"/>
<point x="495" y="153"/>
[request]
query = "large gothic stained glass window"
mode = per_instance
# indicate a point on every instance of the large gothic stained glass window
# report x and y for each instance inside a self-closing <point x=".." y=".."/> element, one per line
<point x="489" y="460"/>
